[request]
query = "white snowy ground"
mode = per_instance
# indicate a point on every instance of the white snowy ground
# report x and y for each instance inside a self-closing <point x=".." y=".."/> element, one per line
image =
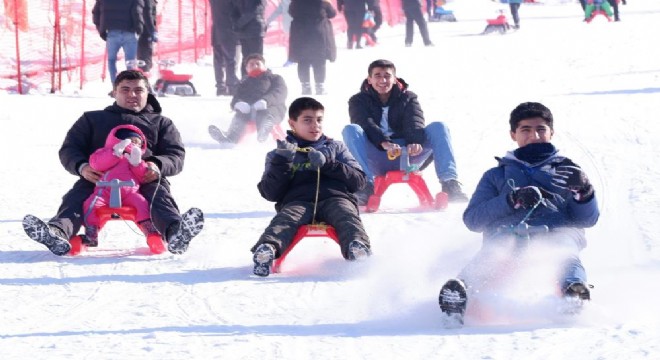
<point x="119" y="302"/>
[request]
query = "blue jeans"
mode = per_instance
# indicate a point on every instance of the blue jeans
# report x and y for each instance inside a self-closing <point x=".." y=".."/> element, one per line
<point x="120" y="39"/>
<point x="374" y="161"/>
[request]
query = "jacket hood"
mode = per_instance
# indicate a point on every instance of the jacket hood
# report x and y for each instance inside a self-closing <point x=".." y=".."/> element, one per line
<point x="112" y="139"/>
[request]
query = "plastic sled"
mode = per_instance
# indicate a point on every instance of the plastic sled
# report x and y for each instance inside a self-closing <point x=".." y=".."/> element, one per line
<point x="115" y="211"/>
<point x="596" y="13"/>
<point x="312" y="230"/>
<point x="407" y="175"/>
<point x="171" y="83"/>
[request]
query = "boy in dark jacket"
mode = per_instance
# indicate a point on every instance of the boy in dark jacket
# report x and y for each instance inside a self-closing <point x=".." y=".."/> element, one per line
<point x="533" y="185"/>
<point x="311" y="178"/>
<point x="386" y="115"/>
<point x="260" y="97"/>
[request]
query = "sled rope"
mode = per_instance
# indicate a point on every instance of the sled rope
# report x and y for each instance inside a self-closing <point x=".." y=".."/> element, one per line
<point x="318" y="184"/>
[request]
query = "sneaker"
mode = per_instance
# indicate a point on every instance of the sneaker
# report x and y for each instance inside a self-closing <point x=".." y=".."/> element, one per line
<point x="181" y="232"/>
<point x="218" y="135"/>
<point x="364" y="194"/>
<point x="453" y="298"/>
<point x="578" y="290"/>
<point x="320" y="89"/>
<point x="306" y="88"/>
<point x="263" y="259"/>
<point x="357" y="250"/>
<point x="453" y="190"/>
<point x="52" y="237"/>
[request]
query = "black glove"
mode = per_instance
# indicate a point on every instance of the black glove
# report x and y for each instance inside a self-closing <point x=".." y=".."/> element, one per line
<point x="286" y="149"/>
<point x="574" y="179"/>
<point x="526" y="197"/>
<point x="316" y="158"/>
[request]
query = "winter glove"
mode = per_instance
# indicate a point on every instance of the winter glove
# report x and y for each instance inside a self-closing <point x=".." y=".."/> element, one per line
<point x="574" y="179"/>
<point x="260" y="105"/>
<point x="135" y="157"/>
<point x="242" y="107"/>
<point x="154" y="37"/>
<point x="286" y="149"/>
<point x="526" y="197"/>
<point x="316" y="158"/>
<point x="119" y="147"/>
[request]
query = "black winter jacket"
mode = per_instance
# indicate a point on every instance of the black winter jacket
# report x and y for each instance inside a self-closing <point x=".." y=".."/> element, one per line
<point x="311" y="36"/>
<point x="127" y="15"/>
<point x="268" y="86"/>
<point x="284" y="181"/>
<point x="405" y="115"/>
<point x="248" y="20"/>
<point x="89" y="132"/>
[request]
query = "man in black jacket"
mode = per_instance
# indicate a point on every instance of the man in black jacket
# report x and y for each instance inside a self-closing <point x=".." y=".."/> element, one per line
<point x="164" y="155"/>
<point x="386" y="116"/>
<point x="119" y="24"/>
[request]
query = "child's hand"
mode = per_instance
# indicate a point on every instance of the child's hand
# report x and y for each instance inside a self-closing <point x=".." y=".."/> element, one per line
<point x="135" y="157"/>
<point x="260" y="105"/>
<point x="316" y="158"/>
<point x="286" y="149"/>
<point x="242" y="107"/>
<point x="119" y="147"/>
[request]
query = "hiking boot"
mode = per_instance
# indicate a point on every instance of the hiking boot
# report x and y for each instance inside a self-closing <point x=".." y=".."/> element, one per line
<point x="91" y="237"/>
<point x="181" y="232"/>
<point x="453" y="190"/>
<point x="453" y="298"/>
<point x="357" y="250"/>
<point x="364" y="194"/>
<point x="577" y="290"/>
<point x="263" y="259"/>
<point x="50" y="236"/>
<point x="306" y="88"/>
<point x="320" y="89"/>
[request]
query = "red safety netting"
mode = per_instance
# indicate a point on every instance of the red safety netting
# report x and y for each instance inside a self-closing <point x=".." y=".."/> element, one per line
<point x="52" y="43"/>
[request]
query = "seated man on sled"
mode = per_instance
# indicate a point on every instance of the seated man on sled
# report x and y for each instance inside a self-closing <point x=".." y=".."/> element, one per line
<point x="535" y="199"/>
<point x="164" y="156"/>
<point x="385" y="115"/>
<point x="311" y="178"/>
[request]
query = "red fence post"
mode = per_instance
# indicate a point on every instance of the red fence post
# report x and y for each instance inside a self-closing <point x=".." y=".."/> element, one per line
<point x="82" y="43"/>
<point x="18" y="51"/>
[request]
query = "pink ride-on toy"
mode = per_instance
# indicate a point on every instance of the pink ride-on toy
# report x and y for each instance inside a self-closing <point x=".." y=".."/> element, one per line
<point x="115" y="211"/>
<point x="311" y="230"/>
<point x="409" y="175"/>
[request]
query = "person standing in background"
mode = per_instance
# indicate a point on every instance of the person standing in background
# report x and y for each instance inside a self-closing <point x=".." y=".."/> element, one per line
<point x="249" y="24"/>
<point x="413" y="11"/>
<point x="312" y="41"/>
<point x="224" y="48"/>
<point x="354" y="11"/>
<point x="514" y="5"/>
<point x="149" y="36"/>
<point x="119" y="24"/>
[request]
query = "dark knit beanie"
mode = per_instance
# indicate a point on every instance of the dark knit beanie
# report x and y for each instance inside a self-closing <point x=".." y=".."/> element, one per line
<point x="124" y="133"/>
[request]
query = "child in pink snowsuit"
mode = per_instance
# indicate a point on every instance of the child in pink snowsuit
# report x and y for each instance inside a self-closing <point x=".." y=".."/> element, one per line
<point x="120" y="158"/>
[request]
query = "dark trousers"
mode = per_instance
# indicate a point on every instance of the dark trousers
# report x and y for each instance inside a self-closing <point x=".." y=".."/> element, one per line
<point x="338" y="212"/>
<point x="145" y="52"/>
<point x="415" y="15"/>
<point x="514" y="13"/>
<point x="354" y="27"/>
<point x="69" y="218"/>
<point x="224" y="64"/>
<point x="319" y="71"/>
<point x="615" y="7"/>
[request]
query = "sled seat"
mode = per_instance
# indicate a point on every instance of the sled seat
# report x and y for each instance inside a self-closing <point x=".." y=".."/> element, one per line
<point x="406" y="174"/>
<point x="311" y="230"/>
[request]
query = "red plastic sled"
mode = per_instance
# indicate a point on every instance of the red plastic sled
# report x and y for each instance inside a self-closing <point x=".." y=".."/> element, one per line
<point x="312" y="230"/>
<point x="105" y="214"/>
<point x="277" y="133"/>
<point x="416" y="182"/>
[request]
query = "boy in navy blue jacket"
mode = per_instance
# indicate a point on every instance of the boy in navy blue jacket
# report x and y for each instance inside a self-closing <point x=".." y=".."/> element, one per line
<point x="311" y="178"/>
<point x="533" y="185"/>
